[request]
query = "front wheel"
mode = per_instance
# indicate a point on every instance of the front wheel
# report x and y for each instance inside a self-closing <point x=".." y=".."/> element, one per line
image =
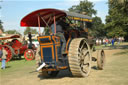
<point x="100" y="59"/>
<point x="29" y="54"/>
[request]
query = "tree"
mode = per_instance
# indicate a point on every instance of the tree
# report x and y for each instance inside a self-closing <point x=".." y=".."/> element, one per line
<point x="28" y="29"/>
<point x="117" y="20"/>
<point x="97" y="29"/>
<point x="84" y="6"/>
<point x="34" y="31"/>
<point x="47" y="31"/>
<point x="12" y="32"/>
<point x="1" y="26"/>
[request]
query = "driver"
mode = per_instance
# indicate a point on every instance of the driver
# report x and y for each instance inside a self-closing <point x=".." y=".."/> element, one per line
<point x="60" y="26"/>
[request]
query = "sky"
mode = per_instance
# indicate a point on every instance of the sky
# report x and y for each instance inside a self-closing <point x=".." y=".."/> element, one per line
<point x="13" y="11"/>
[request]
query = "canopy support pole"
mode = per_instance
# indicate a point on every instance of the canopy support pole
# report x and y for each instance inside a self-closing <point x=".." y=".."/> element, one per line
<point x="39" y="24"/>
<point x="45" y="22"/>
<point x="54" y="24"/>
<point x="49" y="20"/>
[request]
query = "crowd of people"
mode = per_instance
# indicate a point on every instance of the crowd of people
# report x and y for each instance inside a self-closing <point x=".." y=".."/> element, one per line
<point x="109" y="41"/>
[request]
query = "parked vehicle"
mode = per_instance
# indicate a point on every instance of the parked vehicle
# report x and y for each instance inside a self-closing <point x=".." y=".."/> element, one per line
<point x="16" y="49"/>
<point x="79" y="47"/>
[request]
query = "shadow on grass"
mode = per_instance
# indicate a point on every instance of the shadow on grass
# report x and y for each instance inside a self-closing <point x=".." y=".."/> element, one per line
<point x="61" y="74"/>
<point x="33" y="71"/>
<point x="8" y="66"/>
<point x="18" y="59"/>
<point x="122" y="53"/>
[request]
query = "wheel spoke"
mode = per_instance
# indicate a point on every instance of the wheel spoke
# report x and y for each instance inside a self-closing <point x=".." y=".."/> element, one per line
<point x="85" y="53"/>
<point x="84" y="68"/>
<point x="82" y="45"/>
<point x="86" y="64"/>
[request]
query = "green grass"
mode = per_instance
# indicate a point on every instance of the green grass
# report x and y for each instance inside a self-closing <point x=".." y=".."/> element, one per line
<point x="115" y="72"/>
<point x="123" y="45"/>
<point x="16" y="67"/>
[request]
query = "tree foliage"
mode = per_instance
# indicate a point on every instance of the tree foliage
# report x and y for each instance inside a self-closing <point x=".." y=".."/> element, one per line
<point x="12" y="32"/>
<point x="1" y="26"/>
<point x="97" y="29"/>
<point x="28" y="29"/>
<point x="84" y="7"/>
<point x="117" y="20"/>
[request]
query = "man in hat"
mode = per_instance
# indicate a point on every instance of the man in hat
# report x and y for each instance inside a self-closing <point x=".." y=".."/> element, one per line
<point x="30" y="40"/>
<point x="60" y="27"/>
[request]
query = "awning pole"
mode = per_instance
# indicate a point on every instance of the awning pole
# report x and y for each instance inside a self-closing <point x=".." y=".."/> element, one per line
<point x="54" y="24"/>
<point x="39" y="24"/>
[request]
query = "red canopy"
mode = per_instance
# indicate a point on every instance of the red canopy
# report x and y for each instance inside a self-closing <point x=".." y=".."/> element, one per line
<point x="31" y="20"/>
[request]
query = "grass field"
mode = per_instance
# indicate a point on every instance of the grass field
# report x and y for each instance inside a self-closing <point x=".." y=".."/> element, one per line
<point x="17" y="65"/>
<point x="21" y="72"/>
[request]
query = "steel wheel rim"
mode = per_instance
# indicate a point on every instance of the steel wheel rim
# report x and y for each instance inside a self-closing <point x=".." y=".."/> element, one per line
<point x="9" y="53"/>
<point x="29" y="55"/>
<point x="102" y="58"/>
<point x="84" y="58"/>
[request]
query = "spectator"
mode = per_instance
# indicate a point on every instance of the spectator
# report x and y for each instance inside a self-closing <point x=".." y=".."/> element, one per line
<point x="3" y="58"/>
<point x="122" y="39"/>
<point x="106" y="41"/>
<point x="30" y="39"/>
<point x="100" y="42"/>
<point x="113" y="42"/>
<point x="97" y="41"/>
<point x="119" y="40"/>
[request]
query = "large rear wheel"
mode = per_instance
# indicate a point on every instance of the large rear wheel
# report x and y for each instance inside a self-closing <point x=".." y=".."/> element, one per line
<point x="10" y="52"/>
<point x="79" y="57"/>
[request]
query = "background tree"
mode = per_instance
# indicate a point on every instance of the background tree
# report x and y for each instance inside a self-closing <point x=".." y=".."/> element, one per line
<point x="84" y="6"/>
<point x="117" y="20"/>
<point x="34" y="31"/>
<point x="12" y="32"/>
<point x="46" y="31"/>
<point x="28" y="29"/>
<point x="87" y="7"/>
<point x="97" y="29"/>
<point x="1" y="26"/>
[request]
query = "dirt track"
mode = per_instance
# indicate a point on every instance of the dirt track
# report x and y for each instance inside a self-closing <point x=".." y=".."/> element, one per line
<point x="108" y="76"/>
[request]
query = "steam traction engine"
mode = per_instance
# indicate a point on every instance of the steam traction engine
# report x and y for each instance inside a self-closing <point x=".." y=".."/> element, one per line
<point x="15" y="49"/>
